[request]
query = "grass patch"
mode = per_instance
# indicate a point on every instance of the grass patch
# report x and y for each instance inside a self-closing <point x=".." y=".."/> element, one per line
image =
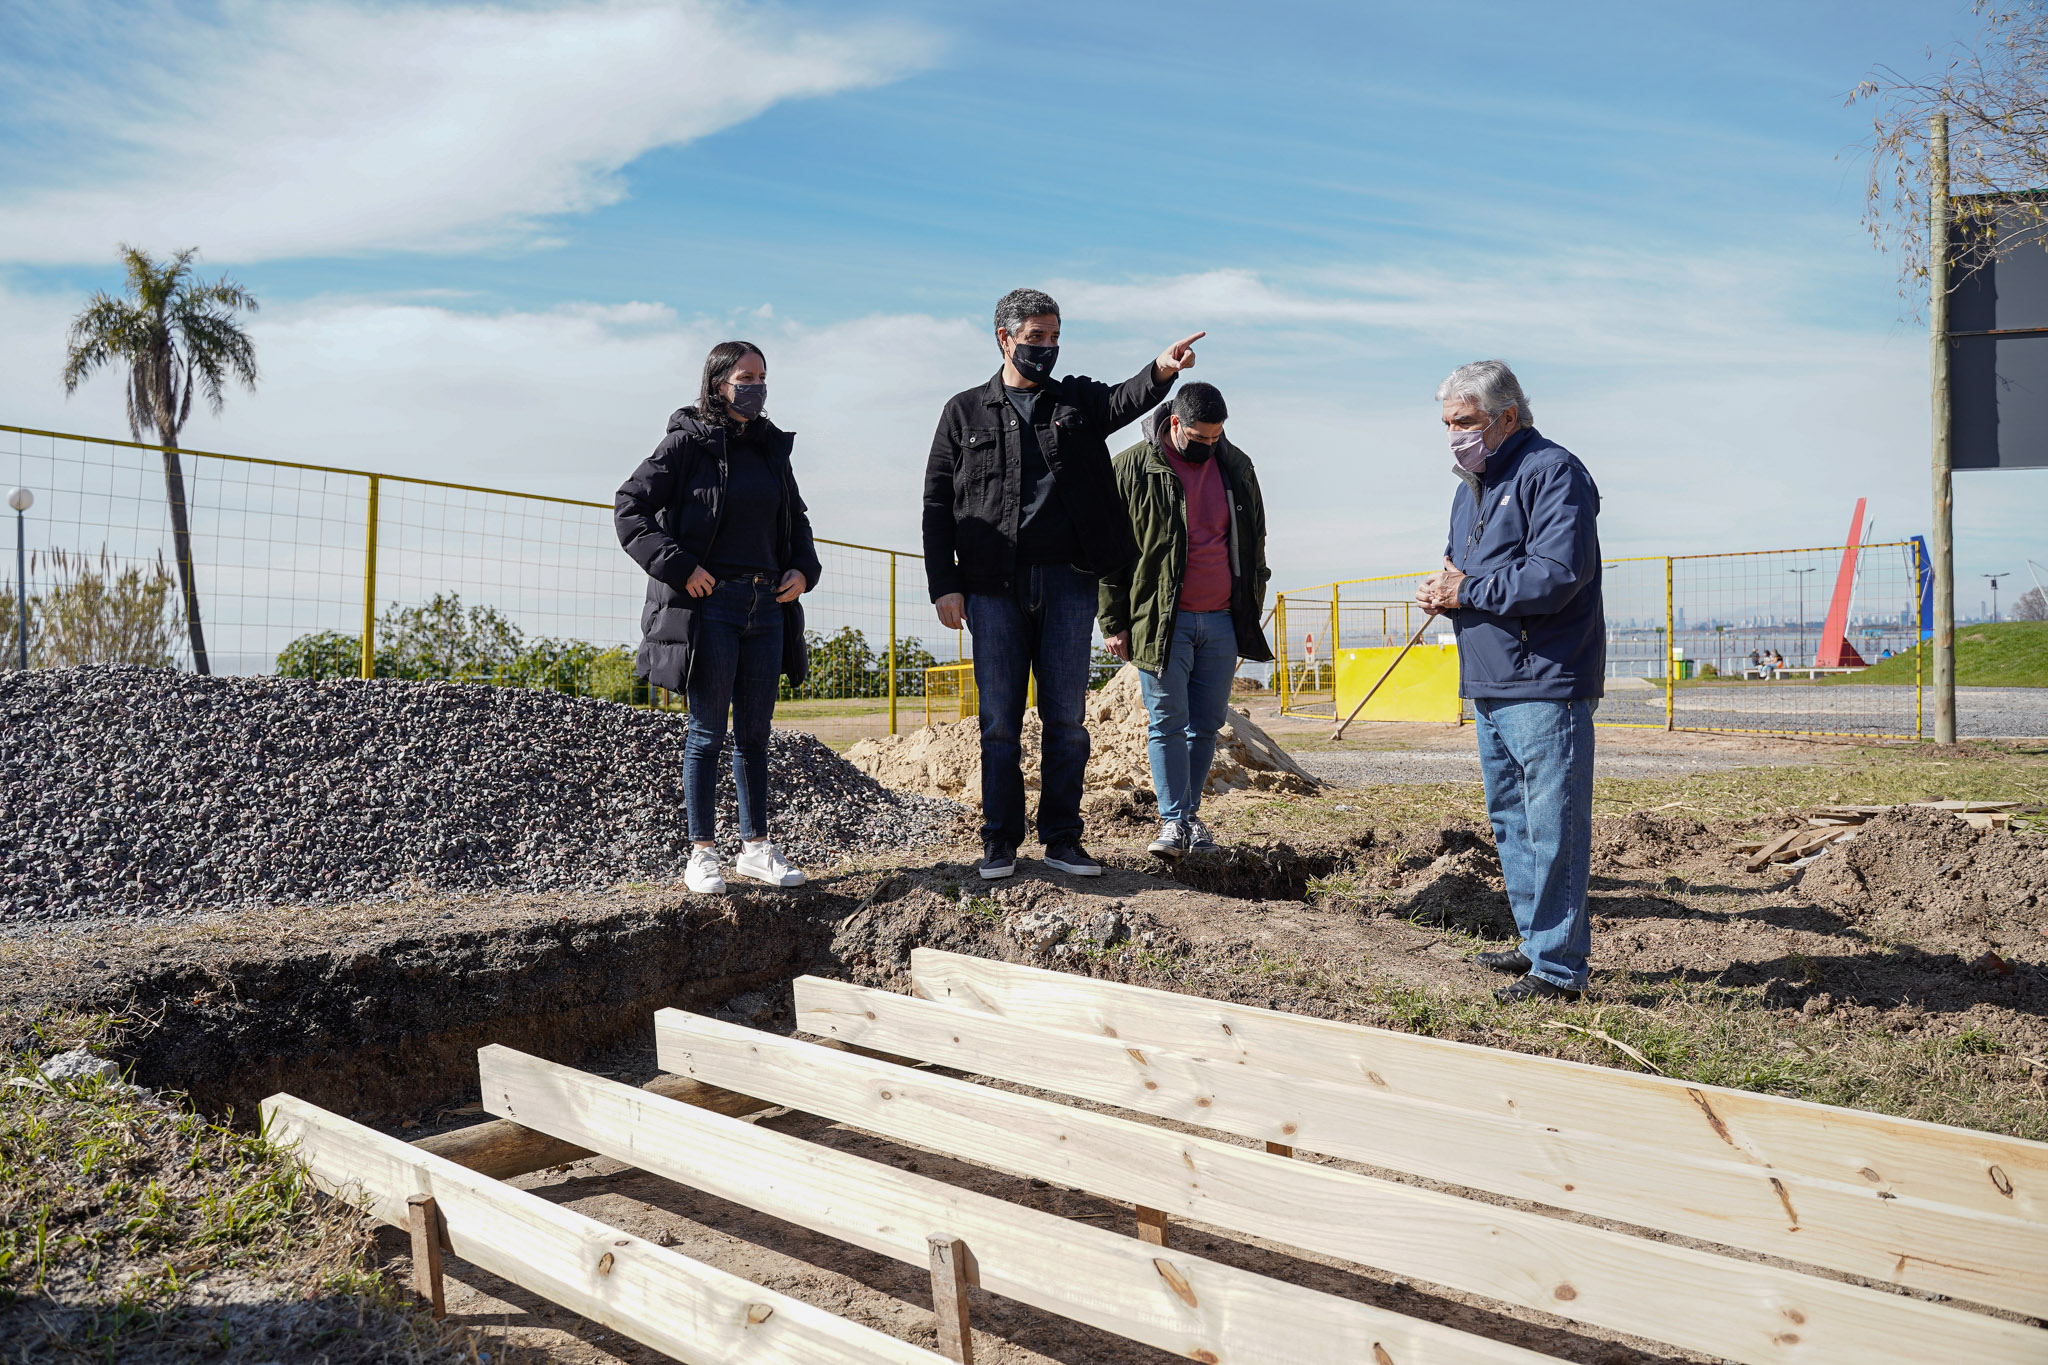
<point x="2007" y="654"/>
<point x="1864" y="776"/>
<point x="132" y="1227"/>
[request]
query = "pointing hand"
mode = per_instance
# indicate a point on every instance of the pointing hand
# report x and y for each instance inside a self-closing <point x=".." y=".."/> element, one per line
<point x="1177" y="357"/>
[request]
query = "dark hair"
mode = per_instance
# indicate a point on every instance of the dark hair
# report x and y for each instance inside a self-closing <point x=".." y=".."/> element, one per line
<point x="1199" y="402"/>
<point x="1019" y="304"/>
<point x="720" y="363"/>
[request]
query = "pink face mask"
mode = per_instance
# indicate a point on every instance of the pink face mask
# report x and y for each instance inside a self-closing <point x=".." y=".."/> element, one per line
<point x="1468" y="448"/>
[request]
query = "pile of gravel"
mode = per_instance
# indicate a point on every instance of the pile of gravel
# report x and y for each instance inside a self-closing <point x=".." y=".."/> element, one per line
<point x="145" y="792"/>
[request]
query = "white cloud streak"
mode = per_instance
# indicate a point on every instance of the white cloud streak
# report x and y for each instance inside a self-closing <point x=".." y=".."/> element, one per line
<point x="332" y="128"/>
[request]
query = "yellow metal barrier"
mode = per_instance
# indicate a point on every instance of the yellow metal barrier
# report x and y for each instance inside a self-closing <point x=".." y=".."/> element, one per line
<point x="332" y="572"/>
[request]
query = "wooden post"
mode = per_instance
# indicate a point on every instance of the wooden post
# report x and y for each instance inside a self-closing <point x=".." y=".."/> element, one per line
<point x="423" y="1217"/>
<point x="1941" y="538"/>
<point x="950" y="1278"/>
<point x="1151" y="1225"/>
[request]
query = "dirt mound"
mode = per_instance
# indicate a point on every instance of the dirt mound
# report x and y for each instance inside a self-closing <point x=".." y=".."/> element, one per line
<point x="147" y="792"/>
<point x="1926" y="874"/>
<point x="945" y="760"/>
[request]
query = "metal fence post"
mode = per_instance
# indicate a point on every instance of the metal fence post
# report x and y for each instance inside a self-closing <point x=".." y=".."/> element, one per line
<point x="892" y="643"/>
<point x="1331" y="652"/>
<point x="1280" y="634"/>
<point x="369" y="667"/>
<point x="1670" y="652"/>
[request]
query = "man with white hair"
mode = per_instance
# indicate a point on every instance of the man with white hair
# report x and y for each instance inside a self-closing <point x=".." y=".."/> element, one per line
<point x="1521" y="586"/>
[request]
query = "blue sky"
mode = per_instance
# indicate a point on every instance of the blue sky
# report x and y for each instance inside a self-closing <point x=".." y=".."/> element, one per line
<point x="493" y="242"/>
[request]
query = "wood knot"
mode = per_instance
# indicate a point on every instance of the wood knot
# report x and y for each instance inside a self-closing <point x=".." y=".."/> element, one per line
<point x="2002" y="1181"/>
<point x="1203" y="1102"/>
<point x="1380" y="1356"/>
<point x="1794" y="1315"/>
<point x="1206" y="1357"/>
<point x="1872" y="1176"/>
<point x="1289" y="1129"/>
<point x="1381" y="1082"/>
<point x="1786" y="1339"/>
<point x="1564" y="1292"/>
<point x="758" y="1313"/>
<point x="604" y="1264"/>
<point x="1175" y="1281"/>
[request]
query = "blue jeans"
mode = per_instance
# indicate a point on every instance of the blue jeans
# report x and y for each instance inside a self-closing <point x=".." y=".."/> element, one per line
<point x="1537" y="758"/>
<point x="1043" y="625"/>
<point x="736" y="665"/>
<point x="1186" y="705"/>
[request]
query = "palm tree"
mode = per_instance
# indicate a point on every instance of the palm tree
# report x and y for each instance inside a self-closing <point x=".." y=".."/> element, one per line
<point x="175" y="334"/>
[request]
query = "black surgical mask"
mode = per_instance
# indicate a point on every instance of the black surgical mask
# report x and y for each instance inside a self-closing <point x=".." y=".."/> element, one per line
<point x="1034" y="362"/>
<point x="1194" y="452"/>
<point x="748" y="399"/>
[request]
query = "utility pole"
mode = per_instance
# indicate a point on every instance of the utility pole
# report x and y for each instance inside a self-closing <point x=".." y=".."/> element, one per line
<point x="1799" y="577"/>
<point x="1941" y="546"/>
<point x="1994" y="577"/>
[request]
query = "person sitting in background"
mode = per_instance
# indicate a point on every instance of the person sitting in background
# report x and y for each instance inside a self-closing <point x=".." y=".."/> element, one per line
<point x="1189" y="607"/>
<point x="714" y="517"/>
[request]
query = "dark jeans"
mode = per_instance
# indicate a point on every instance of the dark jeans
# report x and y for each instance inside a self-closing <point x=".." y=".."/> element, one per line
<point x="1537" y="759"/>
<point x="736" y="666"/>
<point x="1043" y="625"/>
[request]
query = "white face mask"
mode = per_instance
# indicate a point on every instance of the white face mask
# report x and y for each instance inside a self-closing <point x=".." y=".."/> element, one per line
<point x="1468" y="448"/>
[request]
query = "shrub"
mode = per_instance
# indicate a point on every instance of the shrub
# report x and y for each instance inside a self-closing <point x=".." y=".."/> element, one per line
<point x="102" y="614"/>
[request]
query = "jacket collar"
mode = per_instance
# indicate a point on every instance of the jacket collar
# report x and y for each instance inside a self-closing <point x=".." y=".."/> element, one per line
<point x="1503" y="460"/>
<point x="1228" y="457"/>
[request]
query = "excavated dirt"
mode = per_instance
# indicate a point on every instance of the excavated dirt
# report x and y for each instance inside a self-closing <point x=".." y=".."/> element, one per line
<point x="1921" y="927"/>
<point x="945" y="760"/>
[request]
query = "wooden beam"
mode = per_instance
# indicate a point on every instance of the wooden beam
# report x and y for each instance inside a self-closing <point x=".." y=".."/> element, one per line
<point x="1178" y="1303"/>
<point x="423" y="1220"/>
<point x="1988" y="1260"/>
<point x="2005" y="1177"/>
<point x="949" y="1297"/>
<point x="653" y="1295"/>
<point x="1608" y="1279"/>
<point x="1152" y="1226"/>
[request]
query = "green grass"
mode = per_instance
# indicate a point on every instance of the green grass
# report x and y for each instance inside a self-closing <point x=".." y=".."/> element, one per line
<point x="125" y="1216"/>
<point x="2009" y="654"/>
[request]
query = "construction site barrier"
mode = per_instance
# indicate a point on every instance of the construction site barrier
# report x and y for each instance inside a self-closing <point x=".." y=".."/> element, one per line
<point x="322" y="571"/>
<point x="1681" y="633"/>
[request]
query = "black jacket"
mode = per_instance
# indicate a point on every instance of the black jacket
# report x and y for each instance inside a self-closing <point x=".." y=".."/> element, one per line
<point x="973" y="481"/>
<point x="666" y="516"/>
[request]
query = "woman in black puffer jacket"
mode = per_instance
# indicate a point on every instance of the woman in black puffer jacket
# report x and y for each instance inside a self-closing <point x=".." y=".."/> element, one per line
<point x="714" y="517"/>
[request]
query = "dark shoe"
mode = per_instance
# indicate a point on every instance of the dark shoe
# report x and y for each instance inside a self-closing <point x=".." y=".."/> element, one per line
<point x="1532" y="988"/>
<point x="1069" y="857"/>
<point x="1509" y="961"/>
<point x="1172" y="840"/>
<point x="997" y="862"/>
<point x="1200" y="840"/>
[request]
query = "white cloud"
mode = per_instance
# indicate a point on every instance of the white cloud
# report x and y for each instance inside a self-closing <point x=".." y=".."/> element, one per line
<point x="333" y="128"/>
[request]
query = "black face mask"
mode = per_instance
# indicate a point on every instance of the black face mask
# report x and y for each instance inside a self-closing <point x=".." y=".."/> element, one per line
<point x="748" y="399"/>
<point x="1034" y="362"/>
<point x="1194" y="452"/>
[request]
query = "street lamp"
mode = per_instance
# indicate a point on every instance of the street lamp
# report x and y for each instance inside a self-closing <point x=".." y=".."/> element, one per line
<point x="1799" y="576"/>
<point x="1994" y="577"/>
<point x="20" y="499"/>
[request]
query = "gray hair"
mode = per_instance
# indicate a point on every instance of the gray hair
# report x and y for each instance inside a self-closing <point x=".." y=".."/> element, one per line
<point x="1019" y="304"/>
<point x="1490" y="384"/>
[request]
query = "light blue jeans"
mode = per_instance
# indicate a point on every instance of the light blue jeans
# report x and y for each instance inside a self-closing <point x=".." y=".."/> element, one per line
<point x="1537" y="759"/>
<point x="1186" y="703"/>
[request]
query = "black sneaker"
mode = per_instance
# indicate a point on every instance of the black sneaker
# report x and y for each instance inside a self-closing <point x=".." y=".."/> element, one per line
<point x="997" y="862"/>
<point x="1172" y="840"/>
<point x="1069" y="857"/>
<point x="1509" y="961"/>
<point x="1532" y="988"/>
<point x="1200" y="840"/>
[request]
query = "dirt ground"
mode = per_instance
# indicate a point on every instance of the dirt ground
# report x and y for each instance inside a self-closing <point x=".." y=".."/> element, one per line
<point x="1906" y="971"/>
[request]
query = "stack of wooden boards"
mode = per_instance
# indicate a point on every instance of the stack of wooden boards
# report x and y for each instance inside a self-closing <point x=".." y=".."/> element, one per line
<point x="1827" y="824"/>
<point x="1784" y="1191"/>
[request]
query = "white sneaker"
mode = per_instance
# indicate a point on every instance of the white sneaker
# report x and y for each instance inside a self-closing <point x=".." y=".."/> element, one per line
<point x="764" y="863"/>
<point x="702" y="874"/>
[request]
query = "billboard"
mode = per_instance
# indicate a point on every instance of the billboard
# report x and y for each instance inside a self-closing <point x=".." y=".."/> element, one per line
<point x="1998" y="330"/>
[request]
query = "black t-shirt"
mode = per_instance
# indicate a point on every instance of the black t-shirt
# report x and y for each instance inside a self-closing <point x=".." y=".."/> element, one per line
<point x="753" y="512"/>
<point x="1045" y="533"/>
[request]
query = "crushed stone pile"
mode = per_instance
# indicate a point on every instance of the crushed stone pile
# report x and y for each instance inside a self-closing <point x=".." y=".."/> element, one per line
<point x="945" y="760"/>
<point x="146" y="792"/>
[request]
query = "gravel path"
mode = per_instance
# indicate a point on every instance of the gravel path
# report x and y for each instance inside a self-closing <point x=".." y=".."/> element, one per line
<point x="146" y="792"/>
<point x="1981" y="712"/>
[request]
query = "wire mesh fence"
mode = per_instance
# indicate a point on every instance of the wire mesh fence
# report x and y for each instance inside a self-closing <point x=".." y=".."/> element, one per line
<point x="1821" y="641"/>
<point x="295" y="566"/>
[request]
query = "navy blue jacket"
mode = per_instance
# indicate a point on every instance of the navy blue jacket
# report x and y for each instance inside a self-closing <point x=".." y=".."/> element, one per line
<point x="1530" y="622"/>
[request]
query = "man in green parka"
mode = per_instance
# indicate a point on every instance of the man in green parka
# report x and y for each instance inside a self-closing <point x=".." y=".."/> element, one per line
<point x="1188" y="608"/>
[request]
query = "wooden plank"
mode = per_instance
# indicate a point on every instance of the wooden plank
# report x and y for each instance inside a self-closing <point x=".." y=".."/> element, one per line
<point x="1876" y="1153"/>
<point x="1764" y="1314"/>
<point x="423" y="1220"/>
<point x="1763" y="856"/>
<point x="949" y="1297"/>
<point x="698" y="1314"/>
<point x="1176" y="1302"/>
<point x="1969" y="1255"/>
<point x="1152" y="1226"/>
